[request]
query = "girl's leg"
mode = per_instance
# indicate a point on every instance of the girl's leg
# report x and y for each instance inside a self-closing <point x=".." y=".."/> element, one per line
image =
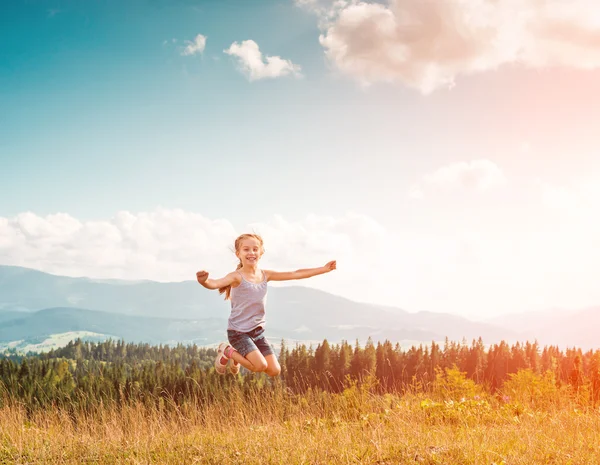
<point x="273" y="368"/>
<point x="242" y="343"/>
<point x="259" y="353"/>
<point x="266" y="349"/>
<point x="254" y="361"/>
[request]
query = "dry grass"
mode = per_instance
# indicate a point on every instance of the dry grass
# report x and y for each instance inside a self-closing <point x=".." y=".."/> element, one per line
<point x="278" y="428"/>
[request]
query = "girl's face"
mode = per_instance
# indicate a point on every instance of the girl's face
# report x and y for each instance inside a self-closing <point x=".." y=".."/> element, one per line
<point x="249" y="252"/>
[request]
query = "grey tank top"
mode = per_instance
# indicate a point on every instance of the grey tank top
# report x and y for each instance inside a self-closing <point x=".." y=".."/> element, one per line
<point x="248" y="302"/>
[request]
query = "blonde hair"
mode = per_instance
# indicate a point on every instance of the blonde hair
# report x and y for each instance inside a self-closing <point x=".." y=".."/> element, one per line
<point x="238" y="242"/>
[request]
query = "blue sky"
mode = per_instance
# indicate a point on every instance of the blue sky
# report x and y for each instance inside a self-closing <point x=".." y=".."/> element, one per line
<point x="106" y="100"/>
<point x="367" y="150"/>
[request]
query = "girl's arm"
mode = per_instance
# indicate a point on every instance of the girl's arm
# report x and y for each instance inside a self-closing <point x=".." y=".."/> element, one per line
<point x="299" y="274"/>
<point x="202" y="277"/>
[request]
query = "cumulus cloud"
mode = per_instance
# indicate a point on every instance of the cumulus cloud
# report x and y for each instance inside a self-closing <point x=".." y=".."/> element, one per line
<point x="477" y="175"/>
<point x="353" y="239"/>
<point x="324" y="9"/>
<point x="167" y="245"/>
<point x="427" y="44"/>
<point x="171" y="245"/>
<point x="161" y="245"/>
<point x="254" y="66"/>
<point x="196" y="46"/>
<point x="461" y="271"/>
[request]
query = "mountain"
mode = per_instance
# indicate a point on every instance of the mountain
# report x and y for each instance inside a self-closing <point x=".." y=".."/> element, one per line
<point x="561" y="327"/>
<point x="34" y="304"/>
<point x="312" y="311"/>
<point x="23" y="289"/>
<point x="54" y="341"/>
<point x="131" y="328"/>
<point x="7" y="315"/>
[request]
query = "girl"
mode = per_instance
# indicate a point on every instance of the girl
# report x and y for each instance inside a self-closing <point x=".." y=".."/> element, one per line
<point x="247" y="289"/>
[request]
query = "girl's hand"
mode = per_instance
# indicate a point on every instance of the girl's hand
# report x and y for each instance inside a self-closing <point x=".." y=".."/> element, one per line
<point x="202" y="276"/>
<point x="330" y="266"/>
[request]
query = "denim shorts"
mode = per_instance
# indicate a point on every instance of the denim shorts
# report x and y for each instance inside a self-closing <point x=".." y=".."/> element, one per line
<point x="253" y="340"/>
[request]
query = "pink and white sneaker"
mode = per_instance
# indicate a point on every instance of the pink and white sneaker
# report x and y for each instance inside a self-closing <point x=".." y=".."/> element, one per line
<point x="221" y="359"/>
<point x="234" y="367"/>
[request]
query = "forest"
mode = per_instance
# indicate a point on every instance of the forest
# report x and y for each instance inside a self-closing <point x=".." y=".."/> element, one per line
<point x="82" y="374"/>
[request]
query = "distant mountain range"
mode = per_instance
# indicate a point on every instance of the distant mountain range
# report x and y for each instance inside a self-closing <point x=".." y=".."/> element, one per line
<point x="562" y="327"/>
<point x="34" y="304"/>
<point x="54" y="341"/>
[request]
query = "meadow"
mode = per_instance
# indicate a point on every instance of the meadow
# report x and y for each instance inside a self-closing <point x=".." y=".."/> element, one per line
<point x="534" y="417"/>
<point x="274" y="426"/>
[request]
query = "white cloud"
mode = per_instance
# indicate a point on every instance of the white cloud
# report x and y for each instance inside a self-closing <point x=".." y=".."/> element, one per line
<point x="171" y="244"/>
<point x="253" y="65"/>
<point x="478" y="175"/>
<point x="326" y="10"/>
<point x="354" y="240"/>
<point x="427" y="44"/>
<point x="462" y="271"/>
<point x="161" y="245"/>
<point x="196" y="46"/>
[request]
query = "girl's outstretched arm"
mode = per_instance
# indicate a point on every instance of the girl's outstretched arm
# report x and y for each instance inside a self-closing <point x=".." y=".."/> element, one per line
<point x="202" y="277"/>
<point x="300" y="274"/>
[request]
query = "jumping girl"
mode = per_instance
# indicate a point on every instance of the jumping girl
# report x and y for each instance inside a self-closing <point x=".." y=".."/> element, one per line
<point x="246" y="287"/>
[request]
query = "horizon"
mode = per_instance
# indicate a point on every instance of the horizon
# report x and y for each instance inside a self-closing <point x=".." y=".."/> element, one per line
<point x="445" y="172"/>
<point x="281" y="285"/>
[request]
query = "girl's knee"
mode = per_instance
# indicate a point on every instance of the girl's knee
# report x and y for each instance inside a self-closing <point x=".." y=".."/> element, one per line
<point x="257" y="360"/>
<point x="260" y="365"/>
<point x="273" y="371"/>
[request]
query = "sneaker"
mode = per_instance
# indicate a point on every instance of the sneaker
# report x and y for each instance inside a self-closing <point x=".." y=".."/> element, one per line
<point x="222" y="359"/>
<point x="234" y="367"/>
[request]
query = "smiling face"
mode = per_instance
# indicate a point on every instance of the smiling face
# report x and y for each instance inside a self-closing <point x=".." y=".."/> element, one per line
<point x="249" y="251"/>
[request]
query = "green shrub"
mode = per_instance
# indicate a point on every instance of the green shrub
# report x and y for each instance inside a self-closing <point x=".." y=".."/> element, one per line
<point x="531" y="389"/>
<point x="453" y="384"/>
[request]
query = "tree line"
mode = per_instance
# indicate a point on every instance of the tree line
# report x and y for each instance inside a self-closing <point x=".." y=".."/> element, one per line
<point x="84" y="374"/>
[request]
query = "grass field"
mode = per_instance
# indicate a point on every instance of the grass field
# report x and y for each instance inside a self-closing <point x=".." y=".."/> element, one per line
<point x="276" y="427"/>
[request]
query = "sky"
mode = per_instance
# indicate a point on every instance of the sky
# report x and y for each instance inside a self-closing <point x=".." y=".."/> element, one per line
<point x="446" y="154"/>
